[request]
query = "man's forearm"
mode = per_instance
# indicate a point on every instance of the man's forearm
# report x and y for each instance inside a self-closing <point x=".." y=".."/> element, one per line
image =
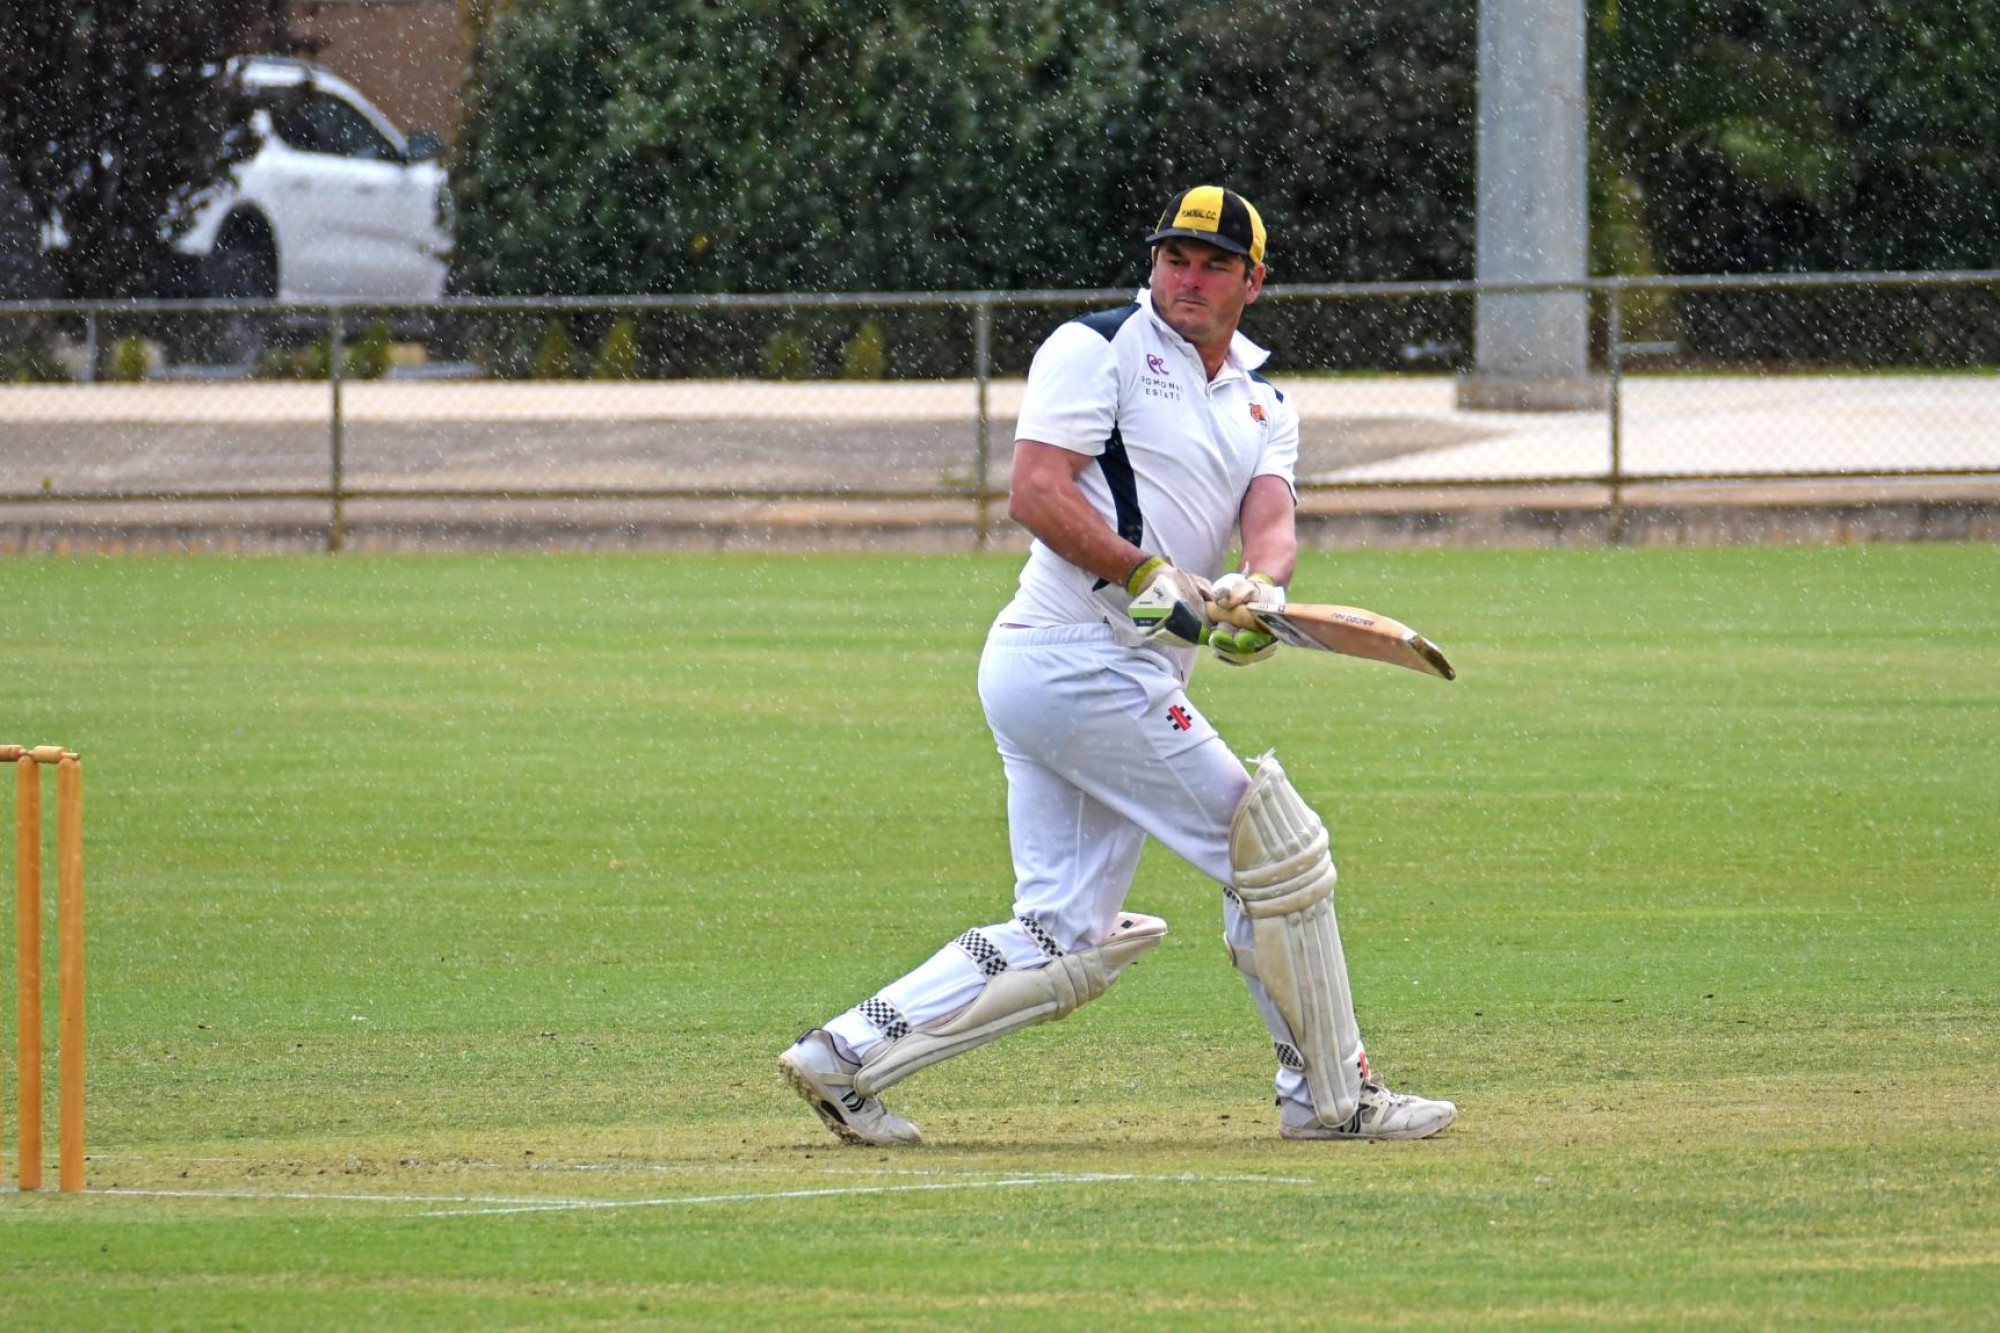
<point x="1270" y="535"/>
<point x="1050" y="505"/>
<point x="1072" y="528"/>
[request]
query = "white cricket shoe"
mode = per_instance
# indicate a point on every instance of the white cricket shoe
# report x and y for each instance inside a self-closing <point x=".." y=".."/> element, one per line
<point x="817" y="1073"/>
<point x="1383" y="1115"/>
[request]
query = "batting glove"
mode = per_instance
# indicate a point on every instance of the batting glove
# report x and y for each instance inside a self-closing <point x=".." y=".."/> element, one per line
<point x="1242" y="644"/>
<point x="1234" y="590"/>
<point x="1239" y="646"/>
<point x="1168" y="602"/>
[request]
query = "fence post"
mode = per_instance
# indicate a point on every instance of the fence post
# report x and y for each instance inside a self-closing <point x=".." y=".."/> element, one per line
<point x="336" y="333"/>
<point x="90" y="348"/>
<point x="982" y="370"/>
<point x="1614" y="362"/>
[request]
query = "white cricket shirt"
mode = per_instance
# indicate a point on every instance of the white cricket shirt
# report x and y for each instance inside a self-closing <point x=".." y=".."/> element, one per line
<point x="1176" y="451"/>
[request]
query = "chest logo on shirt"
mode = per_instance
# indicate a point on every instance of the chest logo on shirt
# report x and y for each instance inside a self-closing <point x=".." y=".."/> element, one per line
<point x="1159" y="383"/>
<point x="1257" y="414"/>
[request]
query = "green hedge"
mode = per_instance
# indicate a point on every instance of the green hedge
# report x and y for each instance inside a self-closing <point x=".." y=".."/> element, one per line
<point x="621" y="146"/>
<point x="611" y="147"/>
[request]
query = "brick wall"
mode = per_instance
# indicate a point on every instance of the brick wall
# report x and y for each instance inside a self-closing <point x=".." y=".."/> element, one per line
<point x="406" y="55"/>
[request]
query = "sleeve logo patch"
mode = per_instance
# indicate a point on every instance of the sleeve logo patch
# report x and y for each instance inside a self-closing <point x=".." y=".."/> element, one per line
<point x="1180" y="719"/>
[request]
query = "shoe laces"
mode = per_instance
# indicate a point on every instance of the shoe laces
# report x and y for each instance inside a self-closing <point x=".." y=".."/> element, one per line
<point x="1375" y="1102"/>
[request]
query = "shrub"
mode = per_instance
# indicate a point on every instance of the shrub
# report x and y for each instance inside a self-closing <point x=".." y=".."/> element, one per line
<point x="786" y="357"/>
<point x="369" y="356"/>
<point x="618" y="354"/>
<point x="865" y="356"/>
<point x="131" y="360"/>
<point x="31" y="365"/>
<point x="557" y="359"/>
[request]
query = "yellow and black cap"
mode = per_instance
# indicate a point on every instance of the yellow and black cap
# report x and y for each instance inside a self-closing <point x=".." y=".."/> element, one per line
<point x="1221" y="217"/>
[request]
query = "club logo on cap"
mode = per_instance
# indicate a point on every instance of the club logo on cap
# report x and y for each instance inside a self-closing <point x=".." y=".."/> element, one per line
<point x="1218" y="217"/>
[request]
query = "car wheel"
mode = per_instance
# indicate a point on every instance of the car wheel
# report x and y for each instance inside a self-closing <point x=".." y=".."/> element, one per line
<point x="243" y="266"/>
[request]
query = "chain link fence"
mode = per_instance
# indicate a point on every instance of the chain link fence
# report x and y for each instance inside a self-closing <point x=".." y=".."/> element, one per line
<point x="620" y="416"/>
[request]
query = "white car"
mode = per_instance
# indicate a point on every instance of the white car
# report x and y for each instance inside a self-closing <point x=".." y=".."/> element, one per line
<point x="335" y="203"/>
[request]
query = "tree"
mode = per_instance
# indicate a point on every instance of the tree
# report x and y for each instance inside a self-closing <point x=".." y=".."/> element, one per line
<point x="1773" y="135"/>
<point x="117" y="115"/>
<point x="1351" y="127"/>
<point x="1805" y="134"/>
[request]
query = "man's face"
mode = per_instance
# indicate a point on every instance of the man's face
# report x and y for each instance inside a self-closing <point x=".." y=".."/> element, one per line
<point x="1201" y="289"/>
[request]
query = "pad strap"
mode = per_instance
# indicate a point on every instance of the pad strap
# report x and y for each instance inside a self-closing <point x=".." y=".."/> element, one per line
<point x="984" y="953"/>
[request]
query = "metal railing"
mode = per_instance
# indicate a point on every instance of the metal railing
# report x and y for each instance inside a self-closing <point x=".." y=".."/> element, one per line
<point x="1708" y="379"/>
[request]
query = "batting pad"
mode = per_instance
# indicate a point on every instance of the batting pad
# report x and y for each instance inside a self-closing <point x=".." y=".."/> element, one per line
<point x="1016" y="998"/>
<point x="1284" y="879"/>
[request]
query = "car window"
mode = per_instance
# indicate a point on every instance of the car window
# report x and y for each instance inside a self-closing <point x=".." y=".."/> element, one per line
<point x="319" y="123"/>
<point x="347" y="132"/>
<point x="293" y="125"/>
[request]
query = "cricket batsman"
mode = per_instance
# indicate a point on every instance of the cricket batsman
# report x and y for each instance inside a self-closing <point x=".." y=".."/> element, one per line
<point x="1146" y="439"/>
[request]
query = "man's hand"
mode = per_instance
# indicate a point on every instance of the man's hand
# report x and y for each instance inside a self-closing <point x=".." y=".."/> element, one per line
<point x="1239" y="641"/>
<point x="1234" y="590"/>
<point x="1168" y="602"/>
<point x="1240" y="647"/>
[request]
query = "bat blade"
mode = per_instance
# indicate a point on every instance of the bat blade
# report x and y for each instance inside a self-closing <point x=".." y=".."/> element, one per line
<point x="1354" y="632"/>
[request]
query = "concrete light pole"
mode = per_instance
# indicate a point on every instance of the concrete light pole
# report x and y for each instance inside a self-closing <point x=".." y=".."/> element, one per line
<point x="1533" y="349"/>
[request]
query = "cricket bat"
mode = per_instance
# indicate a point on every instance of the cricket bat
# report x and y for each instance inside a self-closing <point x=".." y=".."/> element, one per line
<point x="1341" y="629"/>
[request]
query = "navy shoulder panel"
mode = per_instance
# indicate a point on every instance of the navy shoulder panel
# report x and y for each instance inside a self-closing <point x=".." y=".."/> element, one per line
<point x="1274" y="388"/>
<point x="1117" y="467"/>
<point x="1108" y="322"/>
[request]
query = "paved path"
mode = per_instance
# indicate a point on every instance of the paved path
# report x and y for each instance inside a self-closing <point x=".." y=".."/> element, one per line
<point x="1690" y="426"/>
<point x="477" y="434"/>
<point x="244" y="437"/>
<point x="76" y="440"/>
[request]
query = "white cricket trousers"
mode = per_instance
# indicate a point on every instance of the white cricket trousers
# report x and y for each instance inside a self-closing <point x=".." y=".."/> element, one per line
<point x="1101" y="749"/>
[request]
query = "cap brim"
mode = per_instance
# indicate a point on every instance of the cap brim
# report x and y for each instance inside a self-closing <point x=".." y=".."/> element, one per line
<point x="1220" y="242"/>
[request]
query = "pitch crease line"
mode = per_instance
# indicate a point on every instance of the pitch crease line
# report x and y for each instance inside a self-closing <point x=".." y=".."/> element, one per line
<point x="716" y="1168"/>
<point x="850" y="1191"/>
<point x="330" y="1196"/>
<point x="595" y="1205"/>
<point x="490" y="1205"/>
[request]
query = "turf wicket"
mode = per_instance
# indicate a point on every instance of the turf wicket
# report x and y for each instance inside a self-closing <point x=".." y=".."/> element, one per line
<point x="27" y="762"/>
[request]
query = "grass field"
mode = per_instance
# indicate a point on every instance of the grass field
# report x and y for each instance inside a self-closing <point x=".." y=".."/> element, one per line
<point x="447" y="915"/>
